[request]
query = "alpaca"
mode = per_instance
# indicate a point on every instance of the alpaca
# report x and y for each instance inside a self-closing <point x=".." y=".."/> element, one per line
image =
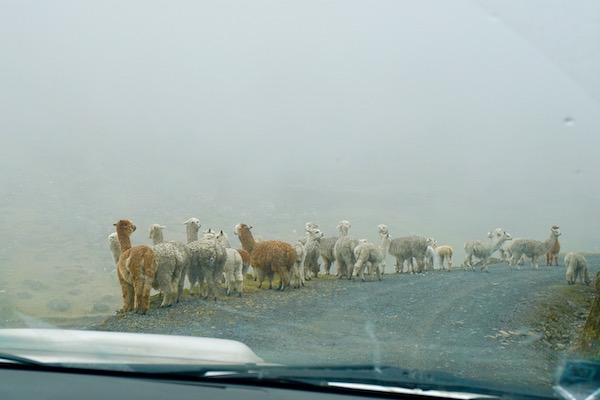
<point x="429" y="258"/>
<point x="313" y="252"/>
<point x="443" y="253"/>
<point x="114" y="246"/>
<point x="386" y="239"/>
<point x="343" y="251"/>
<point x="268" y="257"/>
<point x="298" y="270"/>
<point x="505" y="248"/>
<point x="367" y="254"/>
<point x="483" y="251"/>
<point x="233" y="267"/>
<point x="577" y="267"/>
<point x="135" y="269"/>
<point x="532" y="248"/>
<point x="207" y="258"/>
<point x="307" y="227"/>
<point x="328" y="245"/>
<point x="172" y="258"/>
<point x="552" y="254"/>
<point x="192" y="226"/>
<point x="223" y="238"/>
<point x="406" y="248"/>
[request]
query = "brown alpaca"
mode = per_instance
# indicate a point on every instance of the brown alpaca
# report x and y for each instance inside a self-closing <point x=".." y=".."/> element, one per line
<point x="135" y="269"/>
<point x="552" y="254"/>
<point x="268" y="257"/>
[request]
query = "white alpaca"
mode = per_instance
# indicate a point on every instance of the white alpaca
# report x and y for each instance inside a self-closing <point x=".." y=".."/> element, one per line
<point x="532" y="248"/>
<point x="367" y="254"/>
<point x="483" y="251"/>
<point x="172" y="258"/>
<point x="577" y="267"/>
<point x="233" y="267"/>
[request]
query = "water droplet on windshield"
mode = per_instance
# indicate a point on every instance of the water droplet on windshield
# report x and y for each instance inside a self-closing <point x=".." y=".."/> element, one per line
<point x="569" y="121"/>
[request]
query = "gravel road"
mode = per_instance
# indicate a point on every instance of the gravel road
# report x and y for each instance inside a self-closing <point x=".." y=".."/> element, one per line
<point x="471" y="324"/>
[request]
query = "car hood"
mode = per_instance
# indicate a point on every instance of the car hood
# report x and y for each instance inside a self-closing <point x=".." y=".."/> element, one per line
<point x="57" y="346"/>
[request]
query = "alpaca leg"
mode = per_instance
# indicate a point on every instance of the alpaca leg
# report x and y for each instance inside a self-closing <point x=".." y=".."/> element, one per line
<point x="358" y="270"/>
<point x="534" y="262"/>
<point x="326" y="266"/>
<point x="142" y="297"/>
<point x="128" y="294"/>
<point x="378" y="269"/>
<point x="180" y="285"/>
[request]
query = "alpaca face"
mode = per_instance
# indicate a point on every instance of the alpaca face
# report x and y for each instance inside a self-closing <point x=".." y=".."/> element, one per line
<point x="344" y="224"/>
<point x="310" y="225"/>
<point x="155" y="230"/>
<point x="315" y="234"/>
<point x="126" y="226"/>
<point x="383" y="229"/>
<point x="239" y="228"/>
<point x="195" y="222"/>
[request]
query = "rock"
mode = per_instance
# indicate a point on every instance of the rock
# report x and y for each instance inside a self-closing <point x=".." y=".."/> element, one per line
<point x="100" y="308"/>
<point x="60" y="305"/>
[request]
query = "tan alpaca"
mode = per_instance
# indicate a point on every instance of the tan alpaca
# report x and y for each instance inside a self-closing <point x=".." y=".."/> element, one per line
<point x="552" y="254"/>
<point x="136" y="269"/>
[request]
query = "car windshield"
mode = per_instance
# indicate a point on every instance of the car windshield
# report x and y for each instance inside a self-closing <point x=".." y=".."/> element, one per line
<point x="403" y="184"/>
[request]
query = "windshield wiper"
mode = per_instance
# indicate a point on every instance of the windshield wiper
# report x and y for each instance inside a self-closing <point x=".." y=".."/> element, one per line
<point x="13" y="359"/>
<point x="391" y="380"/>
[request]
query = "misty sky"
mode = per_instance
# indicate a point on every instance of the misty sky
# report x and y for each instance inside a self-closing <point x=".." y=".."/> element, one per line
<point x="440" y="118"/>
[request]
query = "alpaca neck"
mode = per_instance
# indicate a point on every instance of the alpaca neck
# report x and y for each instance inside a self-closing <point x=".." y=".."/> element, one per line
<point x="499" y="243"/>
<point x="385" y="242"/>
<point x="192" y="233"/>
<point x="124" y="240"/>
<point x="548" y="243"/>
<point x="157" y="237"/>
<point x="247" y="241"/>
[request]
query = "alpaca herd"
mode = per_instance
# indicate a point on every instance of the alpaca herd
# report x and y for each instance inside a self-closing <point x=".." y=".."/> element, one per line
<point x="211" y="260"/>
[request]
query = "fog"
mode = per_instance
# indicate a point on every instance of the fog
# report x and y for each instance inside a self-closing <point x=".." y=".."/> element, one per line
<point x="443" y="119"/>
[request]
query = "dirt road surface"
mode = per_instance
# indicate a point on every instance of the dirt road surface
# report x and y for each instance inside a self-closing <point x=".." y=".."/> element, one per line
<point x="471" y="324"/>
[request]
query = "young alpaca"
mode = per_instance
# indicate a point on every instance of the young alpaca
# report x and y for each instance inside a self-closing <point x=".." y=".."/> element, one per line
<point x="443" y="252"/>
<point x="552" y="254"/>
<point x="233" y="267"/>
<point x="135" y="269"/>
<point x="268" y="257"/>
